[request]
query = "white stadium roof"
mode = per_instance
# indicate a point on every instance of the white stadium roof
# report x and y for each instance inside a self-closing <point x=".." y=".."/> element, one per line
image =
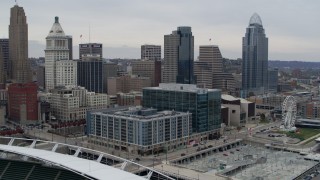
<point x="78" y="165"/>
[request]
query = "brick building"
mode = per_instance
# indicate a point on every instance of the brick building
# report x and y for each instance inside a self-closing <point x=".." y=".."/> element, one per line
<point x="22" y="102"/>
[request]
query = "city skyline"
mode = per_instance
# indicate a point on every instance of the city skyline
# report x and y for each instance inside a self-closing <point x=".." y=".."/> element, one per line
<point x="143" y="22"/>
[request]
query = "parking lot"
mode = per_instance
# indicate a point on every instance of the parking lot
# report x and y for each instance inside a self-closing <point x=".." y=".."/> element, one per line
<point x="276" y="164"/>
<point x="271" y="134"/>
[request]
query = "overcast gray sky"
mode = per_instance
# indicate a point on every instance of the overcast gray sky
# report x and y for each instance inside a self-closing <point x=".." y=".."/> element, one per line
<point x="292" y="26"/>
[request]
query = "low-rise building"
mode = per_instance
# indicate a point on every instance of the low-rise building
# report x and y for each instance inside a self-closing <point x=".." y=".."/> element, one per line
<point x="127" y="83"/>
<point x="139" y="130"/>
<point x="129" y="99"/>
<point x="68" y="103"/>
<point x="240" y="111"/>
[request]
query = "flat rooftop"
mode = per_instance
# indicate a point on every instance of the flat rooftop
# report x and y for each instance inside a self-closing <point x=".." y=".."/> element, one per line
<point x="182" y="88"/>
<point x="138" y="113"/>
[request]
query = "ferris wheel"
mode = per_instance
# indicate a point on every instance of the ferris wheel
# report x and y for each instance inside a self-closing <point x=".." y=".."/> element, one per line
<point x="289" y="112"/>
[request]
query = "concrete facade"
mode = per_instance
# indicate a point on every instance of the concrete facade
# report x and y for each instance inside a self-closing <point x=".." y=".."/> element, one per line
<point x="125" y="84"/>
<point x="66" y="73"/>
<point x="151" y="52"/>
<point x="150" y="69"/>
<point x="71" y="103"/>
<point x="240" y="111"/>
<point x="19" y="67"/>
<point x="57" y="48"/>
<point x="109" y="70"/>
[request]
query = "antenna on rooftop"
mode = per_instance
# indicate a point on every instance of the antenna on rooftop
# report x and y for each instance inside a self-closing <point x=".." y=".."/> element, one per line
<point x="16" y="2"/>
<point x="90" y="39"/>
<point x="89" y="33"/>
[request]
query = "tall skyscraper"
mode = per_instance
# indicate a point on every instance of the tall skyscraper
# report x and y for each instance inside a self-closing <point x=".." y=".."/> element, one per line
<point x="210" y="62"/>
<point x="90" y="73"/>
<point x="90" y="48"/>
<point x="4" y="45"/>
<point x="18" y="46"/>
<point x="179" y="57"/>
<point x="255" y="58"/>
<point x="57" y="48"/>
<point x="151" y="52"/>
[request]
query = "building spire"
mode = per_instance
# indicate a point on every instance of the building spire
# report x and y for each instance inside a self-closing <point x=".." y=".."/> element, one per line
<point x="56" y="19"/>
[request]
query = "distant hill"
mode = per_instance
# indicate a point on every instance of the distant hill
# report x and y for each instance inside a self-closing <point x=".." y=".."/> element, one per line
<point x="294" y="64"/>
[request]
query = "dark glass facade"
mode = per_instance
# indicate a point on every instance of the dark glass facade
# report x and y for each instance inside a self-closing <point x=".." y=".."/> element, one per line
<point x="204" y="104"/>
<point x="273" y="80"/>
<point x="90" y="75"/>
<point x="186" y="56"/>
<point x="4" y="45"/>
<point x="255" y="58"/>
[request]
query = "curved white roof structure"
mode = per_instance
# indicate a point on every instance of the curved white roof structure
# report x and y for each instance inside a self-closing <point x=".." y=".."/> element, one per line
<point x="88" y="167"/>
<point x="255" y="19"/>
<point x="56" y="29"/>
<point x="91" y="169"/>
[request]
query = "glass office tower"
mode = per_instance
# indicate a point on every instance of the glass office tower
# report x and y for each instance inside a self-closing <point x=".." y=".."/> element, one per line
<point x="255" y="58"/>
<point x="179" y="57"/>
<point x="204" y="104"/>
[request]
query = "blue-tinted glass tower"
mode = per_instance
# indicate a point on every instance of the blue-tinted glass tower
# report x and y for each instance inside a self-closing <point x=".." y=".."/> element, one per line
<point x="186" y="56"/>
<point x="179" y="57"/>
<point x="255" y="58"/>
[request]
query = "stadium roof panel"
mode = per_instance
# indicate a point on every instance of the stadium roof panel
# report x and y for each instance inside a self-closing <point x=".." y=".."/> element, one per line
<point x="75" y="164"/>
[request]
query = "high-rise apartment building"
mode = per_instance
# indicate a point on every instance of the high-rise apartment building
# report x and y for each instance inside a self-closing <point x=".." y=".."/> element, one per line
<point x="140" y="130"/>
<point x="204" y="104"/>
<point x="90" y="74"/>
<point x="90" y="48"/>
<point x="19" y="67"/>
<point x="57" y="48"/>
<point x="151" y="52"/>
<point x="148" y="68"/>
<point x="255" y="58"/>
<point x="4" y="45"/>
<point x="179" y="57"/>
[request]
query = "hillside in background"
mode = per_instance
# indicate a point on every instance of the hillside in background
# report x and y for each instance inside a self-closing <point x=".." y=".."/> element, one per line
<point x="294" y="64"/>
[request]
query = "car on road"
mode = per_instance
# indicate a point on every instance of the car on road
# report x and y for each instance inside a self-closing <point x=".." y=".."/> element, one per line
<point x="183" y="154"/>
<point x="225" y="154"/>
<point x="195" y="145"/>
